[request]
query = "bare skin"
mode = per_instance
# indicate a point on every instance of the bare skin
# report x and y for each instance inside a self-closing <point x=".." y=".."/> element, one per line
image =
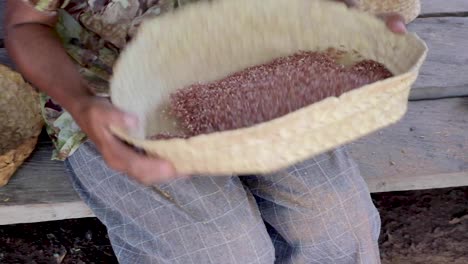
<point x="30" y="34"/>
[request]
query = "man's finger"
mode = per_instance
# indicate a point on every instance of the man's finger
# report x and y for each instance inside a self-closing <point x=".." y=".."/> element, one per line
<point x="125" y="159"/>
<point x="145" y="169"/>
<point x="395" y="22"/>
<point x="122" y="120"/>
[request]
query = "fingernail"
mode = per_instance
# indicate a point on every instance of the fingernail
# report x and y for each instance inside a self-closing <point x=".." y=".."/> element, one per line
<point x="399" y="27"/>
<point x="166" y="168"/>
<point x="131" y="121"/>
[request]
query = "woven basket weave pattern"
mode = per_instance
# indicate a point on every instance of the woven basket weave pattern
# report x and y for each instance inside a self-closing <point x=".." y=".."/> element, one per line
<point x="21" y="122"/>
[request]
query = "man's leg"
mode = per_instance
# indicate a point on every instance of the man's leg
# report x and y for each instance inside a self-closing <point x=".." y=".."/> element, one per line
<point x="319" y="211"/>
<point x="201" y="220"/>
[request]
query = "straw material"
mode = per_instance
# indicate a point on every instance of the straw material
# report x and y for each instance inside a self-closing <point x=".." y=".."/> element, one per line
<point x="409" y="9"/>
<point x="21" y="122"/>
<point x="207" y="41"/>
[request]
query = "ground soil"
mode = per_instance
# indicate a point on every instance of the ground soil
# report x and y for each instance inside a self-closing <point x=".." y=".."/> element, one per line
<point x="429" y="227"/>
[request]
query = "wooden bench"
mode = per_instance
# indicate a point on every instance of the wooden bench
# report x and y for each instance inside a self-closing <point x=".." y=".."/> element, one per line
<point x="427" y="149"/>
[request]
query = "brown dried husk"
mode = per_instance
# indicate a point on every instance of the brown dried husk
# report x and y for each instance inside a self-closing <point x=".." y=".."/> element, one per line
<point x="204" y="42"/>
<point x="21" y="122"/>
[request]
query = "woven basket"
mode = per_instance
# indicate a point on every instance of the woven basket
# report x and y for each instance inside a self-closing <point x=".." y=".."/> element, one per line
<point x="409" y="9"/>
<point x="207" y="41"/>
<point x="21" y="122"/>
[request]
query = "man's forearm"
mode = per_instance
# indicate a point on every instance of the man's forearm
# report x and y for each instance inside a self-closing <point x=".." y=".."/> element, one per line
<point x="43" y="61"/>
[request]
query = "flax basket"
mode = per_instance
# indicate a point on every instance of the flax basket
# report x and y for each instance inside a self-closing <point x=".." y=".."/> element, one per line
<point x="207" y="41"/>
<point x="21" y="122"/>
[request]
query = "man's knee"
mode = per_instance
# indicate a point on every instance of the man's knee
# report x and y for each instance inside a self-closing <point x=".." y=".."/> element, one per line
<point x="344" y="233"/>
<point x="323" y="209"/>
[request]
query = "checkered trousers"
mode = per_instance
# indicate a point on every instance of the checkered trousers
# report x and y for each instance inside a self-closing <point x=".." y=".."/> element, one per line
<point x="318" y="211"/>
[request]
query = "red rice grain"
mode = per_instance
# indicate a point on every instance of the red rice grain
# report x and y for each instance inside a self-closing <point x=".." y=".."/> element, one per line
<point x="264" y="92"/>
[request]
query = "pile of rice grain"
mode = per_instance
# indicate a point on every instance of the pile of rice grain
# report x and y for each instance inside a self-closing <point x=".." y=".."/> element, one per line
<point x="264" y="92"/>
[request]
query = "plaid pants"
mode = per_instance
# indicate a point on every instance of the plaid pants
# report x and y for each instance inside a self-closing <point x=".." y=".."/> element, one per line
<point x="318" y="211"/>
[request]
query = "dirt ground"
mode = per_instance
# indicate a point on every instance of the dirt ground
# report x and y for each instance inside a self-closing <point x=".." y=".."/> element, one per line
<point x="429" y="227"/>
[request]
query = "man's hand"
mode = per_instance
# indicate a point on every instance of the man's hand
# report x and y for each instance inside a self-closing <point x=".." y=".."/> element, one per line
<point x="395" y="22"/>
<point x="95" y="116"/>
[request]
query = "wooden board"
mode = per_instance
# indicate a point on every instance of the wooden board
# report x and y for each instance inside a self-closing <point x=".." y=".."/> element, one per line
<point x="448" y="54"/>
<point x="427" y="149"/>
<point x="40" y="191"/>
<point x="33" y="213"/>
<point x="40" y="175"/>
<point x="444" y="71"/>
<point x="431" y="7"/>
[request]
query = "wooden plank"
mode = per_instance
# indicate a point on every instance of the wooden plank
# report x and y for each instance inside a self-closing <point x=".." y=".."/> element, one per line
<point x="447" y="62"/>
<point x="41" y="195"/>
<point x="40" y="191"/>
<point x="443" y="6"/>
<point x="33" y="213"/>
<point x="417" y="182"/>
<point x="427" y="149"/>
<point x="39" y="181"/>
<point x="430" y="142"/>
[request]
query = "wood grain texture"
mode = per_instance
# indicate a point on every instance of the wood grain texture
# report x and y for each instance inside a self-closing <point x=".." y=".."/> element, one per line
<point x="447" y="61"/>
<point x="401" y="183"/>
<point x="33" y="213"/>
<point x="427" y="149"/>
<point x="40" y="191"/>
<point x="431" y="140"/>
<point x="443" y="6"/>
<point x="39" y="181"/>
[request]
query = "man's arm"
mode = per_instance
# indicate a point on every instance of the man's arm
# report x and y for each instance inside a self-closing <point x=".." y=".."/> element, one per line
<point x="40" y="57"/>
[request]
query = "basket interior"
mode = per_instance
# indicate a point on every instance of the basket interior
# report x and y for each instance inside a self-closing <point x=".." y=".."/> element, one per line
<point x="207" y="41"/>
